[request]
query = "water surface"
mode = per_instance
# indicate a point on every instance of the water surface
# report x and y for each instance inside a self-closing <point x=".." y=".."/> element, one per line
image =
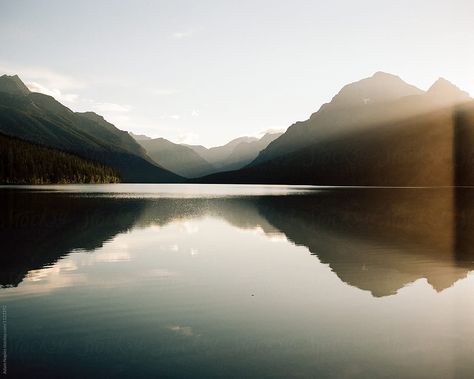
<point x="175" y="281"/>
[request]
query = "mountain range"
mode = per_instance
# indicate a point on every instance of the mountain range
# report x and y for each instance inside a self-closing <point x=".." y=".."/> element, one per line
<point x="379" y="131"/>
<point x="193" y="161"/>
<point x="41" y="119"/>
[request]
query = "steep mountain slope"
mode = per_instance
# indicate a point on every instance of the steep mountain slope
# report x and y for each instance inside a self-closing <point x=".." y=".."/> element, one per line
<point x="410" y="140"/>
<point x="357" y="105"/>
<point x="41" y="119"/>
<point x="13" y="84"/>
<point x="177" y="158"/>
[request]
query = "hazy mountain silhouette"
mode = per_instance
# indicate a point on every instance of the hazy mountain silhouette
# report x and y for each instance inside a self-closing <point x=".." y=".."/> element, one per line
<point x="445" y="93"/>
<point x="176" y="158"/>
<point x="139" y="137"/>
<point x="378" y="131"/>
<point x="193" y="161"/>
<point x="217" y="155"/>
<point x="236" y="153"/>
<point x="355" y="105"/>
<point x="39" y="118"/>
<point x="247" y="151"/>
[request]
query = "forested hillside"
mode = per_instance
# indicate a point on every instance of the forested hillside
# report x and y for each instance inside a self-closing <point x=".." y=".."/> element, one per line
<point x="23" y="162"/>
<point x="39" y="118"/>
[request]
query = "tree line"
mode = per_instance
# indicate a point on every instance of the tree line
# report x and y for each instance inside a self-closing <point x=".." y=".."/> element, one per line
<point x="23" y="162"/>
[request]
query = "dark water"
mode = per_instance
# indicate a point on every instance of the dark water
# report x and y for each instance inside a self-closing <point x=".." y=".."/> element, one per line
<point x="177" y="281"/>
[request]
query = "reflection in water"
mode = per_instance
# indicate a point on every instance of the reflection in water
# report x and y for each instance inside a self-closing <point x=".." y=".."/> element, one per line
<point x="374" y="239"/>
<point x="381" y="239"/>
<point x="37" y="229"/>
<point x="247" y="282"/>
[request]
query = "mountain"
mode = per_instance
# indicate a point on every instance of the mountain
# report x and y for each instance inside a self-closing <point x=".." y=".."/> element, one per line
<point x="236" y="153"/>
<point x="139" y="137"/>
<point x="380" y="87"/>
<point x="23" y="162"/>
<point x="218" y="155"/>
<point x="245" y="152"/>
<point x="379" y="131"/>
<point x="39" y="118"/>
<point x="13" y="85"/>
<point x="193" y="161"/>
<point x="177" y="158"/>
<point x="355" y="106"/>
<point x="446" y="93"/>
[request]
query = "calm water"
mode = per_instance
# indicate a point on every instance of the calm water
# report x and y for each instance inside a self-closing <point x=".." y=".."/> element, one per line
<point x="195" y="281"/>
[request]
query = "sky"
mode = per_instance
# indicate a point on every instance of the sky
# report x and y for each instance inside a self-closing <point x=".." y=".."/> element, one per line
<point x="206" y="71"/>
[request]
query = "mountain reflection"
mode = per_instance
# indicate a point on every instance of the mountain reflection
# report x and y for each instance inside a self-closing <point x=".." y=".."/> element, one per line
<point x="377" y="240"/>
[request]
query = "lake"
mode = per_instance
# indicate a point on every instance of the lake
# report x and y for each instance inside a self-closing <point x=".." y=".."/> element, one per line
<point x="218" y="281"/>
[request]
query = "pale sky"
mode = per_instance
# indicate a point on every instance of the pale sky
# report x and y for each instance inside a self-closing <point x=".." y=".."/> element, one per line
<point x="209" y="71"/>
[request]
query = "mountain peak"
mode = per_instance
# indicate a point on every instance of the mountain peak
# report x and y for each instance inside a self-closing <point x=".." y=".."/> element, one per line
<point x="139" y="137"/>
<point x="270" y="137"/>
<point x="379" y="87"/>
<point x="442" y="82"/>
<point x="92" y="116"/>
<point x="445" y="90"/>
<point x="383" y="74"/>
<point x="13" y="85"/>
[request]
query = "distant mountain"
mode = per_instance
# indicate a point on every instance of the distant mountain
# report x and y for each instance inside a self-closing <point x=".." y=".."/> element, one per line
<point x="139" y="137"/>
<point x="445" y="93"/>
<point x="39" y="118"/>
<point x="193" y="161"/>
<point x="177" y="158"/>
<point x="236" y="153"/>
<point x="378" y="131"/>
<point x="23" y="162"/>
<point x="246" y="152"/>
<point x="218" y="155"/>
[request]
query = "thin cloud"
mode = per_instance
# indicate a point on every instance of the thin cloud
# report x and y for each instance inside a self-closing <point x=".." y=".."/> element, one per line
<point x="54" y="92"/>
<point x="164" y="91"/>
<point x="171" y="117"/>
<point x="48" y="78"/>
<point x="182" y="34"/>
<point x="271" y="131"/>
<point x="46" y="81"/>
<point x="188" y="138"/>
